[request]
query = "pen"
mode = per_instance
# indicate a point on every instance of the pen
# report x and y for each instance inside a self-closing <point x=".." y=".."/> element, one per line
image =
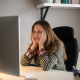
<point x="74" y="69"/>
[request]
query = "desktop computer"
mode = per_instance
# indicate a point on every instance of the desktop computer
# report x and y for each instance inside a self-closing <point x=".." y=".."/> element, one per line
<point x="10" y="48"/>
<point x="10" y="45"/>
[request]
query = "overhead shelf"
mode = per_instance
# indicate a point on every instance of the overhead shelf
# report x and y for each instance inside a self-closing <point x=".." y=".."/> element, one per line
<point x="57" y="5"/>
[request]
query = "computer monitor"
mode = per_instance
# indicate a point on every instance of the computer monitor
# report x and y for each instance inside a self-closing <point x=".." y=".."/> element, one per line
<point x="10" y="45"/>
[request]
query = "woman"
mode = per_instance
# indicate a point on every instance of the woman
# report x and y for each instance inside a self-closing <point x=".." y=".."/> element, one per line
<point x="46" y="48"/>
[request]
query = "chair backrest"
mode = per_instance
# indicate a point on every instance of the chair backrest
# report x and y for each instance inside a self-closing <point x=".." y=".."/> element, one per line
<point x="66" y="34"/>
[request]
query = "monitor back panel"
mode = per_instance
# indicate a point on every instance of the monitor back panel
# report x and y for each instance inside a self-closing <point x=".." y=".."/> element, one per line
<point x="9" y="45"/>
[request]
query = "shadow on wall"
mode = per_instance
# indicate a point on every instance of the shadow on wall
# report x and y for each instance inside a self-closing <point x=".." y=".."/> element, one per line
<point x="33" y="2"/>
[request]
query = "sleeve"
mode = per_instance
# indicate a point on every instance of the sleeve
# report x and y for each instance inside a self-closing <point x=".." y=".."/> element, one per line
<point x="48" y="62"/>
<point x="27" y="57"/>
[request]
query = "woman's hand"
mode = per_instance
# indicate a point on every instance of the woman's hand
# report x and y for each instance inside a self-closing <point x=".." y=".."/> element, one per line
<point x="34" y="44"/>
<point x="42" y="40"/>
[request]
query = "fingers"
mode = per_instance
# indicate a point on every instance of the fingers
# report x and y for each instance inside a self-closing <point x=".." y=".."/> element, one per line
<point x="44" y="35"/>
<point x="32" y="37"/>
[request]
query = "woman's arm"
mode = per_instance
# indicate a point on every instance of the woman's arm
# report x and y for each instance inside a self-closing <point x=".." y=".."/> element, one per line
<point x="49" y="62"/>
<point x="27" y="57"/>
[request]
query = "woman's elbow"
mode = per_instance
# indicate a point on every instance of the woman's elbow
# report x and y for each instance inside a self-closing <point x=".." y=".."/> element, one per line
<point x="47" y="68"/>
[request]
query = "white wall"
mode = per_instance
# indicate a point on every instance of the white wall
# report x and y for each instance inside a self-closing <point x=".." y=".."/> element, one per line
<point x="28" y="13"/>
<point x="78" y="62"/>
<point x="59" y="17"/>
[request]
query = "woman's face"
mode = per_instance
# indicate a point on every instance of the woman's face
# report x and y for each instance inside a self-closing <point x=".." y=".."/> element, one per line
<point x="37" y="32"/>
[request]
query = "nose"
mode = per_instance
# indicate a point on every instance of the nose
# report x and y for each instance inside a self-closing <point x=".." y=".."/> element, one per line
<point x="36" y="34"/>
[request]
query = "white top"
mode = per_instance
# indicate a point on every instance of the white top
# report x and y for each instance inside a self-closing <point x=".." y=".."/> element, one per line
<point x="58" y="5"/>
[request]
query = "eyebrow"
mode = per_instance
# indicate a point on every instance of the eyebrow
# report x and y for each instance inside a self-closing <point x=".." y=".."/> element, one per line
<point x="38" y="30"/>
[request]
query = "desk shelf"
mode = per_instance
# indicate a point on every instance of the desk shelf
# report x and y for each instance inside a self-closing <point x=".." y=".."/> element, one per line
<point x="55" y="6"/>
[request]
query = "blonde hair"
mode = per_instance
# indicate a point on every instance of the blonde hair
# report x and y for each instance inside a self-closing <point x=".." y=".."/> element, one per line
<point x="52" y="39"/>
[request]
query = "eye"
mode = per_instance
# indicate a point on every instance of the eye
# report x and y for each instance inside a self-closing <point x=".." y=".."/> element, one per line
<point x="39" y="31"/>
<point x="33" y="31"/>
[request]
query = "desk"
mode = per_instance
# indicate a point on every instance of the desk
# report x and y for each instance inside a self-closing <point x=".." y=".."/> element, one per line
<point x="78" y="62"/>
<point x="40" y="74"/>
<point x="46" y="75"/>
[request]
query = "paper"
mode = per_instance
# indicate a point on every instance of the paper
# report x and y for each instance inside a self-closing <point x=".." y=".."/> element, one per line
<point x="29" y="75"/>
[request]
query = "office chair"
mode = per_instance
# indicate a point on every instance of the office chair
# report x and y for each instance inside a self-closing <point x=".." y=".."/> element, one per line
<point x="66" y="34"/>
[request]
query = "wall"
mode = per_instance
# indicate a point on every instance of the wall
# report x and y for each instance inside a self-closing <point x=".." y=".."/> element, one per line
<point x="60" y="17"/>
<point x="28" y="13"/>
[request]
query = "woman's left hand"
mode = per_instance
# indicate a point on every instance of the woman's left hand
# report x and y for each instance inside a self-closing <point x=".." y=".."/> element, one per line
<point x="43" y="38"/>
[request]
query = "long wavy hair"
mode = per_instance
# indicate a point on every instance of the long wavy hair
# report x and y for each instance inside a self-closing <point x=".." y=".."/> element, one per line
<point x="52" y="41"/>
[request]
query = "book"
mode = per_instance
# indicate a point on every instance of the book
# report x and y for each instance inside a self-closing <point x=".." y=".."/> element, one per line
<point x="75" y="1"/>
<point x="57" y="1"/>
<point x="70" y="1"/>
<point x="65" y="1"/>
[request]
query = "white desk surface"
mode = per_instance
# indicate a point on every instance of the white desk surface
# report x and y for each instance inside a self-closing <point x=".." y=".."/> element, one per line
<point x="78" y="62"/>
<point x="47" y="75"/>
<point x="40" y="74"/>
